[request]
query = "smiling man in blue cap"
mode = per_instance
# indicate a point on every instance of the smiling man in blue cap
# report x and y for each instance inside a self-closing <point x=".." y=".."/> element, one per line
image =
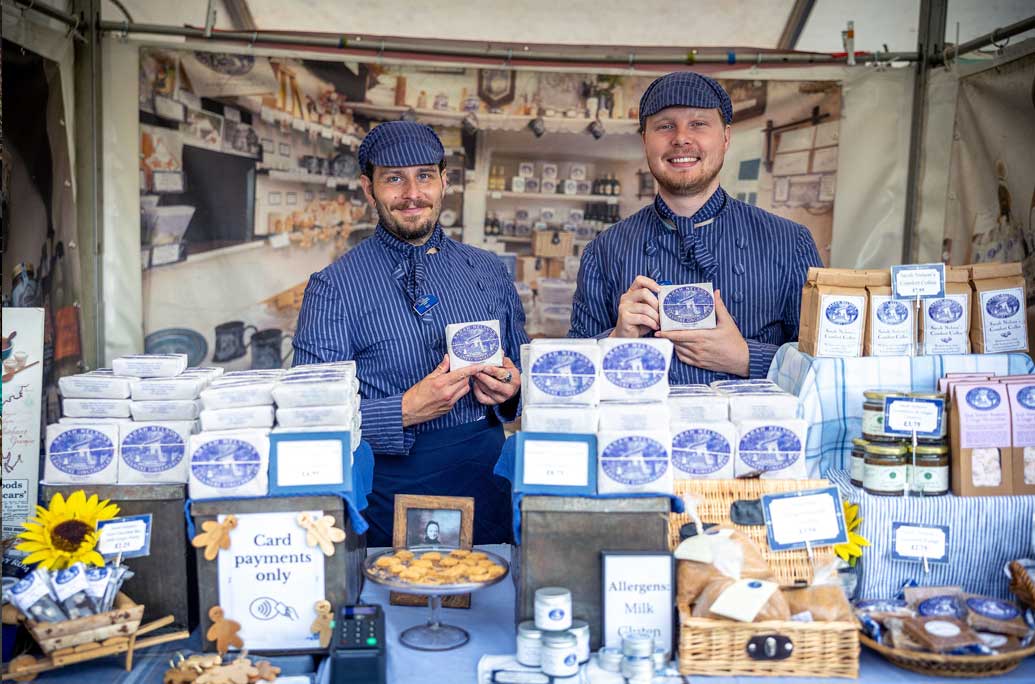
<point x="434" y="430"/>
<point x="694" y="232"/>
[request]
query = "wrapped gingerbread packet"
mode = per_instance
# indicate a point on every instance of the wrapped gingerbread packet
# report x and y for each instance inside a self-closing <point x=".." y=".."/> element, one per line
<point x="822" y="601"/>
<point x="697" y="554"/>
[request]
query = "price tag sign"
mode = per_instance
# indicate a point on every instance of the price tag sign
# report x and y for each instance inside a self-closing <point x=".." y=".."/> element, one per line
<point x="915" y="543"/>
<point x="496" y="194"/>
<point x="906" y="415"/>
<point x="809" y="518"/>
<point x="918" y="281"/>
<point x="612" y="200"/>
<point x="129" y="536"/>
<point x="551" y="463"/>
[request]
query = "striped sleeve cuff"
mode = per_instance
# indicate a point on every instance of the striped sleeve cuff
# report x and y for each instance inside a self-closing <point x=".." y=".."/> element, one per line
<point x="383" y="428"/>
<point x="508" y="411"/>
<point x="760" y="357"/>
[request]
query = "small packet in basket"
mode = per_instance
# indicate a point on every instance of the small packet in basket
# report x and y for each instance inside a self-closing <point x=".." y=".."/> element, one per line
<point x="822" y="601"/>
<point x="730" y="595"/>
<point x="72" y="589"/>
<point x="939" y="633"/>
<point x="34" y="597"/>
<point x="97" y="583"/>
<point x="119" y="574"/>
<point x="993" y="615"/>
<point x="696" y="557"/>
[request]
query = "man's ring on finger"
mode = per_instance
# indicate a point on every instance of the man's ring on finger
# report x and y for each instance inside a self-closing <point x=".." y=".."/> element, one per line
<point x="507" y="378"/>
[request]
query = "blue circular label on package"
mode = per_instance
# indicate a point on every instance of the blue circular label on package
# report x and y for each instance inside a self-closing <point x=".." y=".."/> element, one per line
<point x="1002" y="305"/>
<point x="94" y="573"/>
<point x="944" y="310"/>
<point x="941" y="606"/>
<point x="993" y="608"/>
<point x="225" y="463"/>
<point x="66" y="575"/>
<point x="770" y="447"/>
<point x="880" y="605"/>
<point x="563" y="373"/>
<point x="892" y="313"/>
<point x="700" y="451"/>
<point x="634" y="366"/>
<point x="81" y="451"/>
<point x="983" y="398"/>
<point x="1026" y="397"/>
<point x="842" y="312"/>
<point x="688" y="304"/>
<point x="634" y="460"/>
<point x="556" y="614"/>
<point x="152" y="449"/>
<point x="569" y="659"/>
<point x="475" y="343"/>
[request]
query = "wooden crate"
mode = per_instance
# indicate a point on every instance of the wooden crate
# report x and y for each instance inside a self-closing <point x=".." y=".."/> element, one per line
<point x="122" y="621"/>
<point x="552" y="243"/>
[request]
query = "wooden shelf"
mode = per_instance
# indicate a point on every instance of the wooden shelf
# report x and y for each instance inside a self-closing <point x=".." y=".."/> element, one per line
<point x="308" y="178"/>
<point x="510" y="238"/>
<point x="553" y="197"/>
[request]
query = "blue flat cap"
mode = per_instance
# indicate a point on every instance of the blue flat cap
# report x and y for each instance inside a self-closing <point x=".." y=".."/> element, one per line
<point x="685" y="89"/>
<point x="400" y="143"/>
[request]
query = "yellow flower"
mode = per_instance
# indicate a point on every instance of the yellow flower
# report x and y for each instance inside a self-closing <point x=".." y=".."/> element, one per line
<point x="66" y="533"/>
<point x="851" y="551"/>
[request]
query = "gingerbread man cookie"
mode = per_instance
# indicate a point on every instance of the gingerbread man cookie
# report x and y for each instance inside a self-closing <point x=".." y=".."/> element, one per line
<point x="223" y="631"/>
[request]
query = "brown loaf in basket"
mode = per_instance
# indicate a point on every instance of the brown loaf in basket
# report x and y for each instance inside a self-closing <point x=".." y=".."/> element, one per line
<point x="763" y="649"/>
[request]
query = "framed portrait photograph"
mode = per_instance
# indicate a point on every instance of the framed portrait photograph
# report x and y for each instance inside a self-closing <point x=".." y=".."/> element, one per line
<point x="436" y="521"/>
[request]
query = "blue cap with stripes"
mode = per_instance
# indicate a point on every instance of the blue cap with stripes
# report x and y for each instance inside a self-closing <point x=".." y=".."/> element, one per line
<point x="685" y="89"/>
<point x="400" y="143"/>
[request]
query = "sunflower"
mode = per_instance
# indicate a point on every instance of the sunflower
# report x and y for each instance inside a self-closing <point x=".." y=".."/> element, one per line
<point x="851" y="551"/>
<point x="66" y="533"/>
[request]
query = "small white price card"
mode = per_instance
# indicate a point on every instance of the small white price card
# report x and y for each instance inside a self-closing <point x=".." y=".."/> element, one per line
<point x="919" y="543"/>
<point x="906" y="415"/>
<point x="313" y="462"/>
<point x="813" y="517"/>
<point x="129" y="535"/>
<point x="556" y="463"/>
<point x="918" y="281"/>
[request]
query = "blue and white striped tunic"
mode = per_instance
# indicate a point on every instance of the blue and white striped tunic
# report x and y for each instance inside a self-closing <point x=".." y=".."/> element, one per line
<point x="359" y="308"/>
<point x="758" y="260"/>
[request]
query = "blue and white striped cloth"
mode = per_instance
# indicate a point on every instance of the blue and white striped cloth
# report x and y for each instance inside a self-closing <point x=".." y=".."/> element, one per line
<point x="758" y="260"/>
<point x="985" y="533"/>
<point x="831" y="391"/>
<point x="360" y="308"/>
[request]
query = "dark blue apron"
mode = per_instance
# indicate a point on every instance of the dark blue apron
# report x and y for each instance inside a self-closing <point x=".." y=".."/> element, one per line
<point x="450" y="462"/>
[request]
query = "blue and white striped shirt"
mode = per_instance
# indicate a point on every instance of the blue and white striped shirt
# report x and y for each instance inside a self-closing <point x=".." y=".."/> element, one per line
<point x="758" y="260"/>
<point x="361" y="307"/>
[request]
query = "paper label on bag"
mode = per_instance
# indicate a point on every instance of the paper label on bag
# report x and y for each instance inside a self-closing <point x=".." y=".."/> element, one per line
<point x="556" y="463"/>
<point x="743" y="599"/>
<point x="1002" y="320"/>
<point x="946" y="326"/>
<point x="891" y="327"/>
<point x="1022" y="403"/>
<point x="841" y="325"/>
<point x="984" y="416"/>
<point x="701" y="547"/>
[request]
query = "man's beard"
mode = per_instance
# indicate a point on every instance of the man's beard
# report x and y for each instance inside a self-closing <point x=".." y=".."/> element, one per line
<point x="407" y="230"/>
<point x="673" y="185"/>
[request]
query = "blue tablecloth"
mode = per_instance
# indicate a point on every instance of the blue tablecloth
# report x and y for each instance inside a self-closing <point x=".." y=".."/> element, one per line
<point x="831" y="390"/>
<point x="985" y="533"/>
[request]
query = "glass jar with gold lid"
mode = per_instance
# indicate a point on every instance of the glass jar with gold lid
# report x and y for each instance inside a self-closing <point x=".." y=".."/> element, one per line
<point x="929" y="469"/>
<point x="884" y="472"/>
<point x="873" y="415"/>
<point x="858" y="462"/>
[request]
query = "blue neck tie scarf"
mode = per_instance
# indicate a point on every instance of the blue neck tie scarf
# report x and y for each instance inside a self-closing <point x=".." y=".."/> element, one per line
<point x="694" y="251"/>
<point x="413" y="265"/>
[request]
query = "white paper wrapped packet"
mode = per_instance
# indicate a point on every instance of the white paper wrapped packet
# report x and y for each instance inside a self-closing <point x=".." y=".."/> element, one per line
<point x="771" y="449"/>
<point x="174" y="409"/>
<point x="760" y="382"/>
<point x="687" y="307"/>
<point x="150" y="365"/>
<point x="312" y="416"/>
<point x="682" y="390"/>
<point x="331" y="366"/>
<point x="703" y="450"/>
<point x="634" y="369"/>
<point x="229" y="464"/>
<point x="563" y="418"/>
<point x="314" y="391"/>
<point x="618" y="416"/>
<point x="154" y="452"/>
<point x="257" y="374"/>
<point x="237" y="394"/>
<point x="66" y="420"/>
<point x="160" y="389"/>
<point x="80" y="454"/>
<point x="96" y="408"/>
<point x="209" y="372"/>
<point x="473" y="344"/>
<point x="95" y="386"/>
<point x="631" y="462"/>
<point x="762" y="405"/>
<point x="563" y="373"/>
<point x="237" y="418"/>
<point x="698" y="407"/>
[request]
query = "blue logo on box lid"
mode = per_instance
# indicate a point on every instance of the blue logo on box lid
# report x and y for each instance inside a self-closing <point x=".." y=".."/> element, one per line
<point x="983" y="398"/>
<point x="1026" y="397"/>
<point x="892" y="313"/>
<point x="152" y="449"/>
<point x="941" y="605"/>
<point x="81" y="451"/>
<point x="556" y="614"/>
<point x="700" y="451"/>
<point x="1002" y="305"/>
<point x="563" y="373"/>
<point x="634" y="365"/>
<point x="94" y="573"/>
<point x="770" y="447"/>
<point x="226" y="463"/>
<point x="842" y="312"/>
<point x="993" y="608"/>
<point x="67" y="575"/>
<point x="688" y="304"/>
<point x="475" y="343"/>
<point x="944" y="310"/>
<point x="569" y="659"/>
<point x="634" y="460"/>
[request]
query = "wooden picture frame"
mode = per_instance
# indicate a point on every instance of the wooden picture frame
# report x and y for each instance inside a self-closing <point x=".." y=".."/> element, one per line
<point x="454" y="517"/>
<point x="496" y="87"/>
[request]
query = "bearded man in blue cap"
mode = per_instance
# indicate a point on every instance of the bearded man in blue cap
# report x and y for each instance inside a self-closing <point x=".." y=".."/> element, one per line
<point x="694" y="232"/>
<point x="385" y="304"/>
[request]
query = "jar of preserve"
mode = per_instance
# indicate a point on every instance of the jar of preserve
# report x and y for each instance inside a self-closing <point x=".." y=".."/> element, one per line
<point x="929" y="469"/>
<point x="858" y="462"/>
<point x="944" y="419"/>
<point x="885" y="470"/>
<point x="873" y="415"/>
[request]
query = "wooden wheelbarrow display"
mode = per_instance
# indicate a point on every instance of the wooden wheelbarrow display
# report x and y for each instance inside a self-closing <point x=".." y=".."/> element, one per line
<point x="95" y="636"/>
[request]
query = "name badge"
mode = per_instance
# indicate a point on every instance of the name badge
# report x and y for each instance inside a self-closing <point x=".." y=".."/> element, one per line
<point x="425" y="304"/>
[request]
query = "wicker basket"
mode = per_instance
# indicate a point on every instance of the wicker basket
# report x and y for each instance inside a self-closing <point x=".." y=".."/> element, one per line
<point x="936" y="665"/>
<point x="122" y="621"/>
<point x="1021" y="584"/>
<point x="716" y="497"/>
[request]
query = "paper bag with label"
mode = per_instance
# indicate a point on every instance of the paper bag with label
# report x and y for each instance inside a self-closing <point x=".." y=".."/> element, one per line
<point x="833" y="312"/>
<point x="945" y="322"/>
<point x="730" y="594"/>
<point x="696" y="559"/>
<point x="998" y="320"/>
<point x="890" y="322"/>
<point x="981" y="439"/>
<point x="822" y="601"/>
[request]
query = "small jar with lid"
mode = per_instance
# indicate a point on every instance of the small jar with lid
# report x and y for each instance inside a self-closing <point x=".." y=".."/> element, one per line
<point x="885" y="470"/>
<point x="552" y="608"/>
<point x="638" y="669"/>
<point x="873" y="415"/>
<point x="944" y="419"/>
<point x="858" y="463"/>
<point x="638" y="644"/>
<point x="580" y="628"/>
<point x="609" y="659"/>
<point x="529" y="644"/>
<point x="929" y="469"/>
<point x="559" y="654"/>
